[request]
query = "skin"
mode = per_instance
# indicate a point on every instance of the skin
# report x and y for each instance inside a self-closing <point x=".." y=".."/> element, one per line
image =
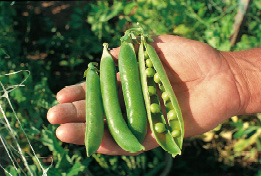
<point x="211" y="86"/>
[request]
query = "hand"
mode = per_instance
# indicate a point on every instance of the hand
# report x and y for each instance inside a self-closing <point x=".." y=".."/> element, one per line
<point x="200" y="76"/>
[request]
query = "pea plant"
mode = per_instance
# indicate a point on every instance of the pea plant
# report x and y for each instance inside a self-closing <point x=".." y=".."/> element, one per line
<point x="11" y="125"/>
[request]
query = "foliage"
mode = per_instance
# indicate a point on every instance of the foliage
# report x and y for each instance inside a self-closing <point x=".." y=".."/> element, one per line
<point x="56" y="40"/>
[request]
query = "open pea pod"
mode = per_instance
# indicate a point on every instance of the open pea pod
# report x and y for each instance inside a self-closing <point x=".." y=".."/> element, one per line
<point x="155" y="116"/>
<point x="174" y="115"/>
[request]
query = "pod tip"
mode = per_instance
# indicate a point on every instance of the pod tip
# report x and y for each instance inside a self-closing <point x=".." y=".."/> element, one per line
<point x="105" y="45"/>
<point x="92" y="65"/>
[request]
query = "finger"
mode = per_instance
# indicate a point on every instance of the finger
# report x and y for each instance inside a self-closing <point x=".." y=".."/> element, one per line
<point x="67" y="112"/>
<point x="75" y="111"/>
<point x="75" y="92"/>
<point x="72" y="112"/>
<point x="115" y="53"/>
<point x="75" y="132"/>
<point x="71" y="93"/>
<point x="110" y="147"/>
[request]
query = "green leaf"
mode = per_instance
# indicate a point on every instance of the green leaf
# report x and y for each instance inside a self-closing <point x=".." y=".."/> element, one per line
<point x="239" y="133"/>
<point x="129" y="7"/>
<point x="76" y="169"/>
<point x="242" y="144"/>
<point x="257" y="4"/>
<point x="252" y="24"/>
<point x="202" y="11"/>
<point x="76" y="17"/>
<point x="258" y="144"/>
<point x="14" y="172"/>
<point x="49" y="139"/>
<point x="54" y="172"/>
<point x="218" y="127"/>
<point x="121" y="23"/>
<point x="181" y="29"/>
<point x="64" y="162"/>
<point x="64" y="63"/>
<point x="33" y="131"/>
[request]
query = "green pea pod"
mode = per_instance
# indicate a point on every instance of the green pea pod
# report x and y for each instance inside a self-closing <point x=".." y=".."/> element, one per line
<point x="177" y="131"/>
<point x="132" y="91"/>
<point x="94" y="111"/>
<point x="116" y="124"/>
<point x="164" y="139"/>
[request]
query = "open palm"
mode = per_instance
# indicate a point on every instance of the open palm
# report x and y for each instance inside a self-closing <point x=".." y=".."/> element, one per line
<point x="200" y="76"/>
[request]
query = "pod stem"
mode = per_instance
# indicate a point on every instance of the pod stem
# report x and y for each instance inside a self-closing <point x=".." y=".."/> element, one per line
<point x="136" y="35"/>
<point x="105" y="45"/>
<point x="92" y="66"/>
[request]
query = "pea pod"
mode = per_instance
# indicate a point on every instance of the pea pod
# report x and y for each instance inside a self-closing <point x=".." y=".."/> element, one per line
<point x="155" y="117"/>
<point x="172" y="102"/>
<point x="94" y="111"/>
<point x="116" y="124"/>
<point x="131" y="87"/>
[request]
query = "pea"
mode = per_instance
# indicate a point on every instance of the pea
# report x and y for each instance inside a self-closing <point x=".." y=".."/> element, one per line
<point x="156" y="78"/>
<point x="146" y="55"/>
<point x="169" y="105"/>
<point x="150" y="72"/>
<point x="155" y="108"/>
<point x="116" y="123"/>
<point x="149" y="63"/>
<point x="165" y="96"/>
<point x="132" y="91"/>
<point x="175" y="133"/>
<point x="152" y="90"/>
<point x="160" y="127"/>
<point x="94" y="111"/>
<point x="174" y="125"/>
<point x="172" y="115"/>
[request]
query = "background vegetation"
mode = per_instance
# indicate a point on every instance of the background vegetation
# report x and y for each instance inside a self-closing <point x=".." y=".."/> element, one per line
<point x="56" y="40"/>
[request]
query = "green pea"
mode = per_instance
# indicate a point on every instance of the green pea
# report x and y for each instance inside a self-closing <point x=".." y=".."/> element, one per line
<point x="169" y="105"/>
<point x="146" y="55"/>
<point x="160" y="127"/>
<point x="174" y="125"/>
<point x="156" y="78"/>
<point x="175" y="133"/>
<point x="149" y="63"/>
<point x="150" y="72"/>
<point x="165" y="96"/>
<point x="152" y="90"/>
<point x="155" y="108"/>
<point x="172" y="115"/>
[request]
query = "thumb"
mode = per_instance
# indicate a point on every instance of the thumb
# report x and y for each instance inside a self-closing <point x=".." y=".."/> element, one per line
<point x="115" y="53"/>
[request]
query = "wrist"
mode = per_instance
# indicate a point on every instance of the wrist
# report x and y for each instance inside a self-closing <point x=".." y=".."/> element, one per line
<point x="246" y="69"/>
